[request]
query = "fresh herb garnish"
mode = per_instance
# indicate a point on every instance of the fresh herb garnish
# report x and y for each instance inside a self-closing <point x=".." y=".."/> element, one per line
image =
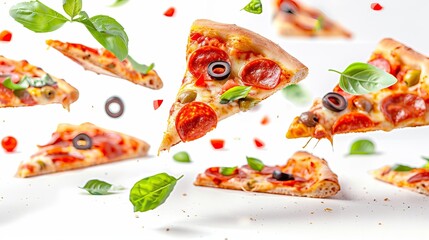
<point x="98" y="187"/>
<point x="118" y="3"/>
<point x="296" y="94"/>
<point x="401" y="168"/>
<point x="234" y="93"/>
<point x="255" y="163"/>
<point x="15" y="86"/>
<point x="27" y="81"/>
<point x="227" y="171"/>
<point x="362" y="147"/>
<point x="151" y="192"/>
<point x="254" y="6"/>
<point x="72" y="8"/>
<point x="182" y="157"/>
<point x="140" y="67"/>
<point x="426" y="164"/>
<point x="363" y="78"/>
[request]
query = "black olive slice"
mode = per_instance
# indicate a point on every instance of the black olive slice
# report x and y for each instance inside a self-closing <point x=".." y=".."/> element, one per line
<point x="114" y="100"/>
<point x="288" y="8"/>
<point x="309" y="119"/>
<point x="334" y="102"/>
<point x="281" y="176"/>
<point x="219" y="70"/>
<point x="82" y="137"/>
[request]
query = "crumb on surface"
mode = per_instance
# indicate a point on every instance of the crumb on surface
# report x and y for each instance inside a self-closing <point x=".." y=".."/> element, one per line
<point x="328" y="209"/>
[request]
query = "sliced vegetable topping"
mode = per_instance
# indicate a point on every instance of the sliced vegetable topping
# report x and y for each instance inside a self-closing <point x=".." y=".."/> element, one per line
<point x="82" y="141"/>
<point x="157" y="103"/>
<point x="401" y="168"/>
<point x="9" y="143"/>
<point x="334" y="102"/>
<point x="255" y="163"/>
<point x="5" y="36"/>
<point x="254" y="6"/>
<point x="182" y="157"/>
<point x="15" y="86"/>
<point x="217" y="143"/>
<point x="234" y="93"/>
<point x="281" y="176"/>
<point x="115" y="101"/>
<point x="219" y="70"/>
<point x="362" y="147"/>
<point x="262" y="73"/>
<point x="309" y="119"/>
<point x="169" y="12"/>
<point x="187" y="96"/>
<point x="376" y="6"/>
<point x="258" y="143"/>
<point x="265" y="120"/>
<point x="227" y="171"/>
<point x="412" y="77"/>
<point x="27" y="81"/>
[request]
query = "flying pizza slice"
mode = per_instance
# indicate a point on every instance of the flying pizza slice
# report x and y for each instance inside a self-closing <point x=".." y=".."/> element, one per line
<point x="304" y="175"/>
<point x="293" y="18"/>
<point x="403" y="104"/>
<point x="23" y="84"/>
<point x="229" y="69"/>
<point x="80" y="146"/>
<point x="102" y="61"/>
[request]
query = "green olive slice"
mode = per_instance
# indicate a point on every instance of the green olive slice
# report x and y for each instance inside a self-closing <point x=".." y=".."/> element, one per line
<point x="412" y="77"/>
<point x="187" y="96"/>
<point x="48" y="92"/>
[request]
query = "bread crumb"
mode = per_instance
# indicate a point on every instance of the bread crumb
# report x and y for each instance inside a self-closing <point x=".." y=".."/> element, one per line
<point x="184" y="194"/>
<point x="167" y="229"/>
<point x="311" y="212"/>
<point x="386" y="199"/>
<point x="379" y="223"/>
<point x="328" y="209"/>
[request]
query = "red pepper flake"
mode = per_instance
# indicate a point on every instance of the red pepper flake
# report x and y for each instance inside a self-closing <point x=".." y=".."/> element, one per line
<point x="217" y="143"/>
<point x="259" y="143"/>
<point x="5" y="36"/>
<point x="157" y="103"/>
<point x="265" y="120"/>
<point x="376" y="6"/>
<point x="169" y="12"/>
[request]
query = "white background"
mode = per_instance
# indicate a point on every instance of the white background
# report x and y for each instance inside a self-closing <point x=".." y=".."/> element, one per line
<point x="53" y="207"/>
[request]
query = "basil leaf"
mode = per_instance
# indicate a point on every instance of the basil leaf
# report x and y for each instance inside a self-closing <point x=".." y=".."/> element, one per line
<point x="151" y="192"/>
<point x="363" y="78"/>
<point x="255" y="164"/>
<point x="39" y="82"/>
<point x="118" y="3"/>
<point x="140" y="67"/>
<point x="37" y="17"/>
<point x="254" y="6"/>
<point x="401" y="168"/>
<point x="72" y="7"/>
<point x="227" y="171"/>
<point x="296" y="94"/>
<point x="23" y="84"/>
<point x="108" y="32"/>
<point x="182" y="157"/>
<point x="234" y="93"/>
<point x="425" y="158"/>
<point x="362" y="147"/>
<point x="97" y="187"/>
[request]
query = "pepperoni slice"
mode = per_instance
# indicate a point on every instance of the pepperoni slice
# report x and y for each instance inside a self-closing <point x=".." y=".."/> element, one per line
<point x="194" y="120"/>
<point x="262" y="73"/>
<point x="352" y="122"/>
<point x="202" y="57"/>
<point x="423" y="176"/>
<point x="66" y="157"/>
<point x="218" y="178"/>
<point x="402" y="106"/>
<point x="381" y="63"/>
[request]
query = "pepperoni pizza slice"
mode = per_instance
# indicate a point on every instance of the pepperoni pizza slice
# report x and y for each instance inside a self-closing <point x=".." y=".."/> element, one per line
<point x="403" y="104"/>
<point x="23" y="84"/>
<point x="102" y="61"/>
<point x="414" y="179"/>
<point x="293" y="18"/>
<point x="229" y="69"/>
<point x="304" y="175"/>
<point x="80" y="146"/>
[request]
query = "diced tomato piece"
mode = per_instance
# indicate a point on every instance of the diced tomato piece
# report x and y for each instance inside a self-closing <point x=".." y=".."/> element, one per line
<point x="169" y="12"/>
<point x="258" y="143"/>
<point x="217" y="143"/>
<point x="229" y="84"/>
<point x="200" y="82"/>
<point x="5" y="36"/>
<point x="157" y="103"/>
<point x="9" y="143"/>
<point x="265" y="120"/>
<point x="376" y="6"/>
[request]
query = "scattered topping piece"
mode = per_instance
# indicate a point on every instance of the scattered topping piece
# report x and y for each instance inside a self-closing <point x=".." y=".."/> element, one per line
<point x="234" y="93"/>
<point x="82" y="141"/>
<point x="258" y="142"/>
<point x="9" y="143"/>
<point x="412" y="77"/>
<point x="187" y="96"/>
<point x="255" y="164"/>
<point x="296" y="94"/>
<point x="376" y="6"/>
<point x="182" y="157"/>
<point x="227" y="171"/>
<point x="254" y="6"/>
<point x="309" y="119"/>
<point x="157" y="103"/>
<point x="217" y="143"/>
<point x="169" y="12"/>
<point x="142" y="68"/>
<point x="114" y="100"/>
<point x="401" y="168"/>
<point x="362" y="147"/>
<point x="265" y="120"/>
<point x="334" y="102"/>
<point x="118" y="3"/>
<point x="219" y="70"/>
<point x="281" y="176"/>
<point x="247" y="103"/>
<point x="98" y="187"/>
<point x="5" y="36"/>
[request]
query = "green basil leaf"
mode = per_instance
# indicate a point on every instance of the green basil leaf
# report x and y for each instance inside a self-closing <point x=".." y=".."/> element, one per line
<point x="401" y="168"/>
<point x="425" y="158"/>
<point x="182" y="157"/>
<point x="118" y="3"/>
<point x="97" y="187"/>
<point x="37" y="17"/>
<point x="23" y="84"/>
<point x="426" y="166"/>
<point x="234" y="93"/>
<point x="227" y="171"/>
<point x="362" y="147"/>
<point x="296" y="94"/>
<point x="108" y="32"/>
<point x="39" y="82"/>
<point x="363" y="78"/>
<point x="140" y="67"/>
<point x="72" y="7"/>
<point x="254" y="6"/>
<point x="255" y="164"/>
<point x="151" y="192"/>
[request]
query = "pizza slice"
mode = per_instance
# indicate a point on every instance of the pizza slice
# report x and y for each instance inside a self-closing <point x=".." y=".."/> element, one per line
<point x="23" y="84"/>
<point x="403" y="104"/>
<point x="102" y="61"/>
<point x="80" y="146"/>
<point x="293" y="18"/>
<point x="414" y="179"/>
<point x="229" y="69"/>
<point x="304" y="175"/>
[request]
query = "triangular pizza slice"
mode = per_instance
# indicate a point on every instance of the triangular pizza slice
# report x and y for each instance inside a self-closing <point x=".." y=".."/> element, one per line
<point x="403" y="104"/>
<point x="229" y="69"/>
<point x="80" y="146"/>
<point x="102" y="61"/>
